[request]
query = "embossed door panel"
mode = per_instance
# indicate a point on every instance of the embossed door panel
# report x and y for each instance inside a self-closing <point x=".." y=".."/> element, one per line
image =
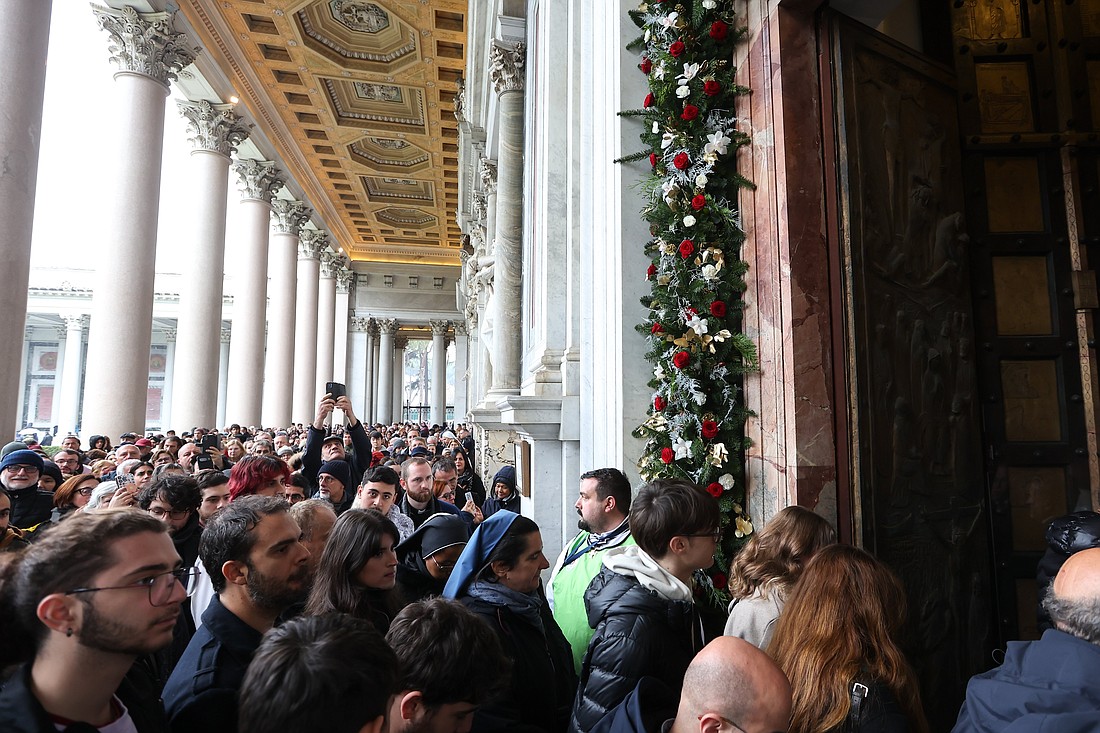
<point x="1027" y="89"/>
<point x="914" y="417"/>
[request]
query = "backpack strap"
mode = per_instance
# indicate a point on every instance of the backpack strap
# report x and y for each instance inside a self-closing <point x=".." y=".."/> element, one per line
<point x="858" y="692"/>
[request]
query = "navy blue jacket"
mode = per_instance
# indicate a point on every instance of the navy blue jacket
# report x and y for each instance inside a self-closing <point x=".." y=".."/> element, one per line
<point x="1051" y="685"/>
<point x="645" y="710"/>
<point x="201" y="694"/>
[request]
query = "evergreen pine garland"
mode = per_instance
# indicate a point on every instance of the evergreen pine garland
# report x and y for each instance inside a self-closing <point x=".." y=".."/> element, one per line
<point x="696" y="421"/>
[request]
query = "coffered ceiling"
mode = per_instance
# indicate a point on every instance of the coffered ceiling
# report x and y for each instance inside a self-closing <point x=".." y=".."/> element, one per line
<point x="358" y="98"/>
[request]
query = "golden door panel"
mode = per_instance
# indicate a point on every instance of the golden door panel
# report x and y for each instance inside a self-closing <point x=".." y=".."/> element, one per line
<point x="989" y="20"/>
<point x="1004" y="94"/>
<point x="1038" y="495"/>
<point x="1090" y="17"/>
<point x="1013" y="195"/>
<point x="1032" y="400"/>
<point x="1021" y="287"/>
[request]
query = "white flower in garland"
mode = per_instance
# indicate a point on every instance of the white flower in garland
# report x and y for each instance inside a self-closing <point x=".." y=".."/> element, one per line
<point x="710" y="4"/>
<point x="726" y="480"/>
<point x="689" y="221"/>
<point x="690" y="70"/>
<point x="697" y="324"/>
<point x="709" y="272"/>
<point x="667" y="139"/>
<point x="717" y="454"/>
<point x="669" y="21"/>
<point x="659" y="372"/>
<point x="682" y="448"/>
<point x="659" y="71"/>
<point x="656" y="127"/>
<point x="683" y="92"/>
<point x="716" y="143"/>
<point x="701" y="180"/>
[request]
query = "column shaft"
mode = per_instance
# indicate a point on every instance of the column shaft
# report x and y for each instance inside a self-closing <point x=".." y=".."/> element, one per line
<point x="462" y="366"/>
<point x="439" y="372"/>
<point x="384" y="394"/>
<point x="305" y="336"/>
<point x="279" y="388"/>
<point x="198" y="333"/>
<point x="372" y="373"/>
<point x="326" y="334"/>
<point x="507" y="272"/>
<point x="71" y="375"/>
<point x="398" y="381"/>
<point x="246" y="359"/>
<point x="167" y="390"/>
<point x="223" y="375"/>
<point x="24" y="37"/>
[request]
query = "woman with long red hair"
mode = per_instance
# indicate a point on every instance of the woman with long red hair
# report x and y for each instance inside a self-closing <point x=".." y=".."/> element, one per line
<point x="838" y="643"/>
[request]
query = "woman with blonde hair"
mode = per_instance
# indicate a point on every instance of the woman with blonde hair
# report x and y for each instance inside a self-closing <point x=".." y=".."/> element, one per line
<point x="838" y="643"/>
<point x="767" y="567"/>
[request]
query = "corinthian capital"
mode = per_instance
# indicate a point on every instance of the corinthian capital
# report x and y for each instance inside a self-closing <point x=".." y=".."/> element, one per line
<point x="331" y="264"/>
<point x="507" y="67"/>
<point x="387" y="325"/>
<point x="145" y="43"/>
<point x="310" y="243"/>
<point x="344" y="280"/>
<point x="288" y="217"/>
<point x="487" y="170"/>
<point x="214" y="127"/>
<point x="259" y="179"/>
<point x="439" y="328"/>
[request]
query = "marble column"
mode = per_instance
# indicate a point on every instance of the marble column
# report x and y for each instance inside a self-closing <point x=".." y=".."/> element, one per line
<point x="462" y="366"/>
<point x="258" y="182"/>
<point x="24" y="38"/>
<point x="310" y="246"/>
<point x="387" y="328"/>
<point x="341" y="313"/>
<point x="71" y="374"/>
<point x="325" y="369"/>
<point x="167" y="390"/>
<point x="370" y="370"/>
<point x="215" y="132"/>
<point x="439" y="371"/>
<point x="149" y="54"/>
<point x="358" y="358"/>
<point x="24" y="376"/>
<point x="223" y="374"/>
<point x="399" y="345"/>
<point x="507" y="69"/>
<point x="287" y="220"/>
<point x="487" y="172"/>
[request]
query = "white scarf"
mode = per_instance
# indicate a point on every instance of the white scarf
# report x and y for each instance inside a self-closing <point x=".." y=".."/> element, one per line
<point x="634" y="562"/>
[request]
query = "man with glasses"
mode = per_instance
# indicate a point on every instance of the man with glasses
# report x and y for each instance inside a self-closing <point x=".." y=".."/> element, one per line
<point x="69" y="462"/>
<point x="640" y="604"/>
<point x="379" y="491"/>
<point x="294" y="494"/>
<point x="19" y="472"/>
<point x="80" y="606"/>
<point x="252" y="552"/>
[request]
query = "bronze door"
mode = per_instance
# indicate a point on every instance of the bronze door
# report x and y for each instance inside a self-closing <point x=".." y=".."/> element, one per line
<point x="1030" y="164"/>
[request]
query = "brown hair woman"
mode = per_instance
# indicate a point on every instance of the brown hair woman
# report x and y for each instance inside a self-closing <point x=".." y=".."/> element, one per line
<point x="839" y="634"/>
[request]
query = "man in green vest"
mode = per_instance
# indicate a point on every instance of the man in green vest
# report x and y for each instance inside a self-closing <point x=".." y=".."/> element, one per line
<point x="603" y="506"/>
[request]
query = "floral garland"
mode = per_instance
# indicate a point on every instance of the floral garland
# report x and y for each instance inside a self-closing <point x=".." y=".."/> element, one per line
<point x="696" y="423"/>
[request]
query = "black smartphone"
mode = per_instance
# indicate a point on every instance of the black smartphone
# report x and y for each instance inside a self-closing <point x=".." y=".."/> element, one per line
<point x="335" y="390"/>
<point x="203" y="462"/>
<point x="210" y="440"/>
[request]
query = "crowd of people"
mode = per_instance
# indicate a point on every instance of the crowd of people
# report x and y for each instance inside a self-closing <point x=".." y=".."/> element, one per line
<point x="364" y="578"/>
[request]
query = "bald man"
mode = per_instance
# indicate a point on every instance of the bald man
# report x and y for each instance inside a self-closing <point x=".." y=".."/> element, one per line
<point x="730" y="682"/>
<point x="1052" y="684"/>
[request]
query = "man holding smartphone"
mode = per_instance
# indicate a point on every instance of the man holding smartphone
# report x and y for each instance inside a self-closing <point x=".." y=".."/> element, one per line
<point x="322" y="448"/>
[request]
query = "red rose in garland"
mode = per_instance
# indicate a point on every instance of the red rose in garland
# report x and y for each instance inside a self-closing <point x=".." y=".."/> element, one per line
<point x="656" y="328"/>
<point x="646" y="65"/>
<point x="720" y="581"/>
<point x="690" y="112"/>
<point x="687" y="248"/>
<point x="659" y="403"/>
<point x="711" y="88"/>
<point x="650" y="272"/>
<point x="677" y="48"/>
<point x="668" y="455"/>
<point x="681" y="161"/>
<point x="718" y="30"/>
<point x="698" y="201"/>
<point x="648" y="101"/>
<point x="718" y="309"/>
<point x="653" y="160"/>
<point x="710" y="429"/>
<point x="715" y="489"/>
<point x="681" y="359"/>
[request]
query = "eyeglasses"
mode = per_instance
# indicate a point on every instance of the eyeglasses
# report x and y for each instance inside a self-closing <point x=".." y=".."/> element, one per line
<point x="448" y="496"/>
<point x="86" y="491"/>
<point x="443" y="565"/>
<point x="294" y="498"/>
<point x="160" y="587"/>
<point x="715" y="534"/>
<point x="159" y="513"/>
<point x="21" y="468"/>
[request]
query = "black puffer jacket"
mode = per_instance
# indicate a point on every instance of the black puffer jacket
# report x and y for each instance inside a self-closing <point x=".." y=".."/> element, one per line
<point x="1065" y="536"/>
<point x="542" y="676"/>
<point x="638" y="634"/>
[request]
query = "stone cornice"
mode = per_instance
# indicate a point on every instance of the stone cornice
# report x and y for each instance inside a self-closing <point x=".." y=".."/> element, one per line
<point x="214" y="127"/>
<point x="145" y="43"/>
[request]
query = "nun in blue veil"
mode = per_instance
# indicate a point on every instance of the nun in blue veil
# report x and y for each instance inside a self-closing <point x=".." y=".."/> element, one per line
<point x="498" y="577"/>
